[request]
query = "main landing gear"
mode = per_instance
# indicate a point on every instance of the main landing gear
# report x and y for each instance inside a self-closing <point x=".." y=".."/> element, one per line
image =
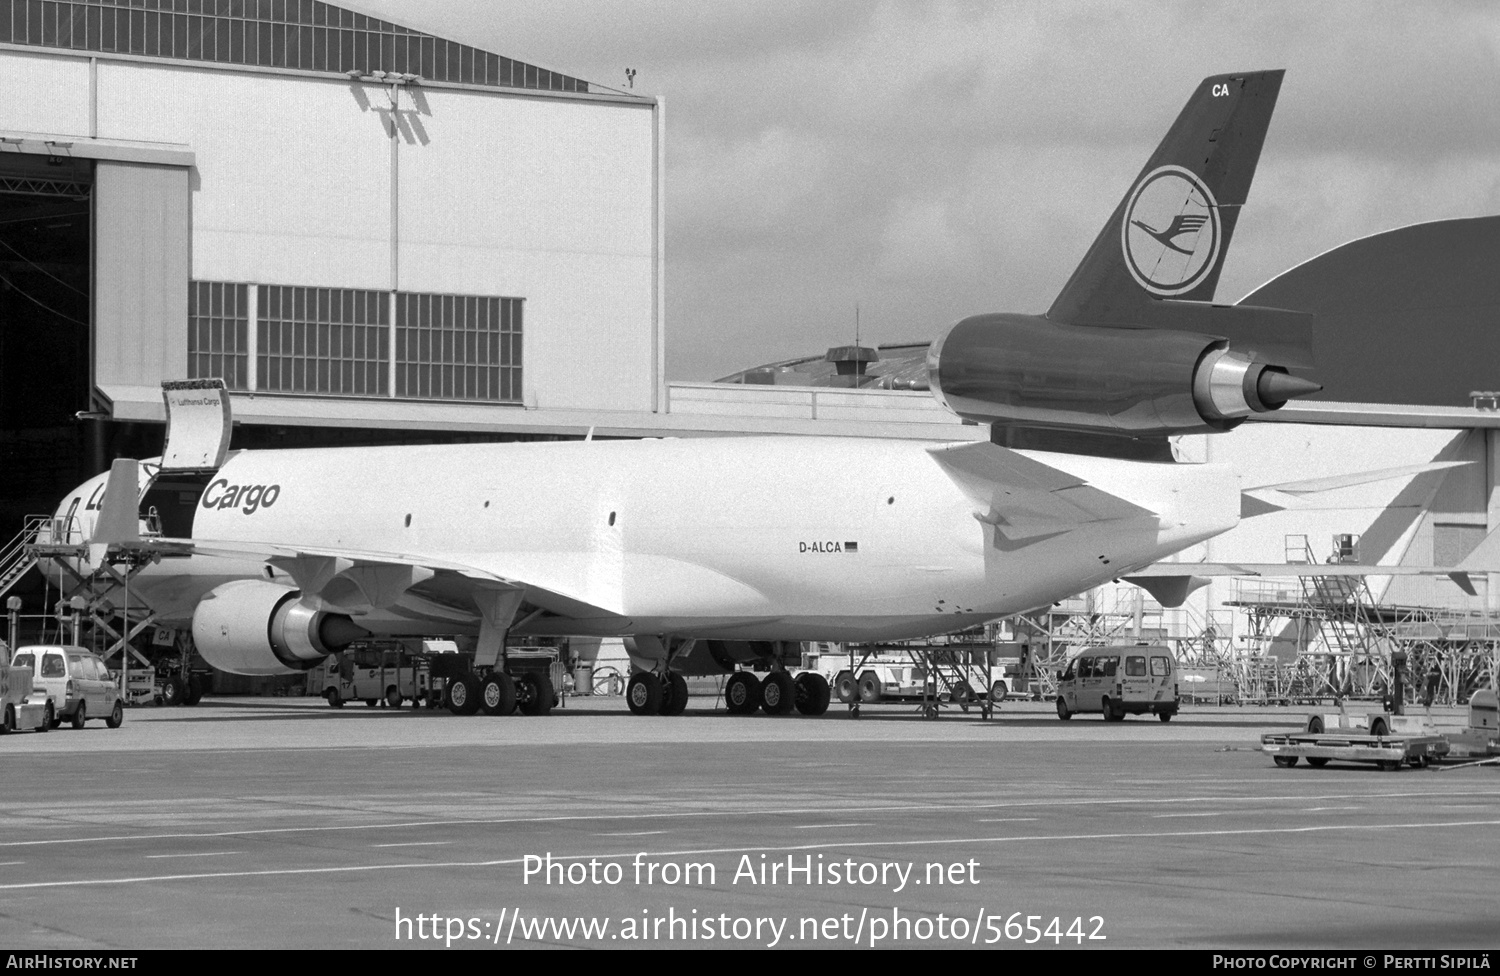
<point x="649" y="694"/>
<point x="777" y="694"/>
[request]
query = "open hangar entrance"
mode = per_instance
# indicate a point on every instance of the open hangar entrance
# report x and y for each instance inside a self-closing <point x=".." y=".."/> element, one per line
<point x="45" y="311"/>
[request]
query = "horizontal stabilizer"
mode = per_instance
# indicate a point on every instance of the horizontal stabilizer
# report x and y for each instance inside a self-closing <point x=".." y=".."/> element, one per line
<point x="1296" y="494"/>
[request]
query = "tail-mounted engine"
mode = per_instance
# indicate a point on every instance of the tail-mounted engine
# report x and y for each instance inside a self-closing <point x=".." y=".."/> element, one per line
<point x="1027" y="371"/>
<point x="259" y="628"/>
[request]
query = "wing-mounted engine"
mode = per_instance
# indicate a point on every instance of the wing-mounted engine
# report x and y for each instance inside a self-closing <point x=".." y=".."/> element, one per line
<point x="1025" y="370"/>
<point x="256" y="627"/>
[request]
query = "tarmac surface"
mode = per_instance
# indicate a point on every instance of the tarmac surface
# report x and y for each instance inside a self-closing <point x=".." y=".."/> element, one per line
<point x="282" y="823"/>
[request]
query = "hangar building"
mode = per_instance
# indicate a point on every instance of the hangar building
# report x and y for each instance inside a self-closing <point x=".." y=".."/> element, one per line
<point x="364" y="229"/>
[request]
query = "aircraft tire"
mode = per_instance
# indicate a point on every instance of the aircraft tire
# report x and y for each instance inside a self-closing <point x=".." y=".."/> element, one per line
<point x="846" y="688"/>
<point x="194" y="692"/>
<point x="644" y="694"/>
<point x="539" y="694"/>
<point x="497" y="696"/>
<point x="812" y="693"/>
<point x="463" y="695"/>
<point x="1063" y="712"/>
<point x="674" y="695"/>
<point x="116" y="716"/>
<point x="778" y="695"/>
<point x="742" y="693"/>
<point x="334" y="701"/>
<point x="869" y="688"/>
<point x="172" y="691"/>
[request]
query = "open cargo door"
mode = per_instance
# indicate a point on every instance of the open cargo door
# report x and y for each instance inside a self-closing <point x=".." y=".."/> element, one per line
<point x="197" y="425"/>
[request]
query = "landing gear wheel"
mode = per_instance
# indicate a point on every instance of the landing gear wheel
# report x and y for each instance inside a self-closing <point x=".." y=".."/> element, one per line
<point x="1285" y="762"/>
<point x="777" y="695"/>
<point x="1379" y="728"/>
<point x="1063" y="712"/>
<point x="334" y="701"/>
<point x="845" y="687"/>
<point x="393" y="697"/>
<point x="80" y="715"/>
<point x="998" y="691"/>
<point x="463" y="695"/>
<point x="173" y="691"/>
<point x="869" y="688"/>
<point x="811" y="693"/>
<point x="535" y="693"/>
<point x="742" y="693"/>
<point x="644" y="694"/>
<point x="497" y="696"/>
<point x="116" y="716"/>
<point x="194" y="693"/>
<point x="674" y="695"/>
<point x="1317" y="762"/>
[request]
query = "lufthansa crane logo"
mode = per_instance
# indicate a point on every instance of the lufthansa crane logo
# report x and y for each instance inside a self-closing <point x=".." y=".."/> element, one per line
<point x="1171" y="233"/>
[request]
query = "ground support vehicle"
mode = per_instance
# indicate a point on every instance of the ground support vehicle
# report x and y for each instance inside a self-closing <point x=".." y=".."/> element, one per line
<point x="1389" y="740"/>
<point x="1120" y="680"/>
<point x="73" y="683"/>
<point x="374" y="674"/>
<point x="19" y="709"/>
<point x="1389" y="752"/>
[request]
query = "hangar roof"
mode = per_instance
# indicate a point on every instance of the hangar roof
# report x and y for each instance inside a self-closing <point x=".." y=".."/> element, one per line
<point x="305" y="35"/>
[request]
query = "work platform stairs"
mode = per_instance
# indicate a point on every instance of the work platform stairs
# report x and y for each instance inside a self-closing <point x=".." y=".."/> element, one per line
<point x="22" y="552"/>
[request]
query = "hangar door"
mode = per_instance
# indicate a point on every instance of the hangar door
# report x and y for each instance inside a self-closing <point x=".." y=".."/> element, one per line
<point x="141" y="268"/>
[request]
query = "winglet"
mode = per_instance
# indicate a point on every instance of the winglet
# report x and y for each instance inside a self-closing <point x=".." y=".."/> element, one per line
<point x="119" y="510"/>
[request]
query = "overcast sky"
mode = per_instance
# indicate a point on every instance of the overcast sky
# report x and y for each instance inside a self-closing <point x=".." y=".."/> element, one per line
<point x="930" y="160"/>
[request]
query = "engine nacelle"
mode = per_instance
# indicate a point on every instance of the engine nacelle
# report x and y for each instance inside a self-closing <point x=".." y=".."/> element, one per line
<point x="1028" y="371"/>
<point x="259" y="628"/>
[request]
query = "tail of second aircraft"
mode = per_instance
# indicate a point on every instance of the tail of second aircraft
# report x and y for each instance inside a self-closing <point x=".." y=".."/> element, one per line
<point x="1170" y="234"/>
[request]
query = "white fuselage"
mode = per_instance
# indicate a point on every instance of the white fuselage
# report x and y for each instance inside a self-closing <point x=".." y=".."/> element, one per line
<point x="778" y="538"/>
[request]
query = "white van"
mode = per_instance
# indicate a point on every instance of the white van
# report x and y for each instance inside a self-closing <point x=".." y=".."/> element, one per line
<point x="1118" y="680"/>
<point x="75" y="683"/>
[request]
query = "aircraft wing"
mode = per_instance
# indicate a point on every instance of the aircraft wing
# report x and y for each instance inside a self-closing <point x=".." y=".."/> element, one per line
<point x="1264" y="499"/>
<point x="1027" y="499"/>
<point x="358" y="581"/>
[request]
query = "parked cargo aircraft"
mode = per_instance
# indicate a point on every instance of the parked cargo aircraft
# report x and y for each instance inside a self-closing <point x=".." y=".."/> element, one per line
<point x="279" y="558"/>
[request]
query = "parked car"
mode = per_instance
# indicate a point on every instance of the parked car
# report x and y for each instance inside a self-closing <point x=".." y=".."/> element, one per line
<point x="74" y="681"/>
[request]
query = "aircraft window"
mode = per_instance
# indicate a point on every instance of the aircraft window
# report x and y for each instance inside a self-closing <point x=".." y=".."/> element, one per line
<point x="53" y="666"/>
<point x="1135" y="666"/>
<point x="24" y="661"/>
<point x="1111" y="665"/>
<point x="1161" y="666"/>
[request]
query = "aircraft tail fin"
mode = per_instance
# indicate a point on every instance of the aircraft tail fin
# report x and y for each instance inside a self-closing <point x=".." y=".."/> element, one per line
<point x="1170" y="234"/>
